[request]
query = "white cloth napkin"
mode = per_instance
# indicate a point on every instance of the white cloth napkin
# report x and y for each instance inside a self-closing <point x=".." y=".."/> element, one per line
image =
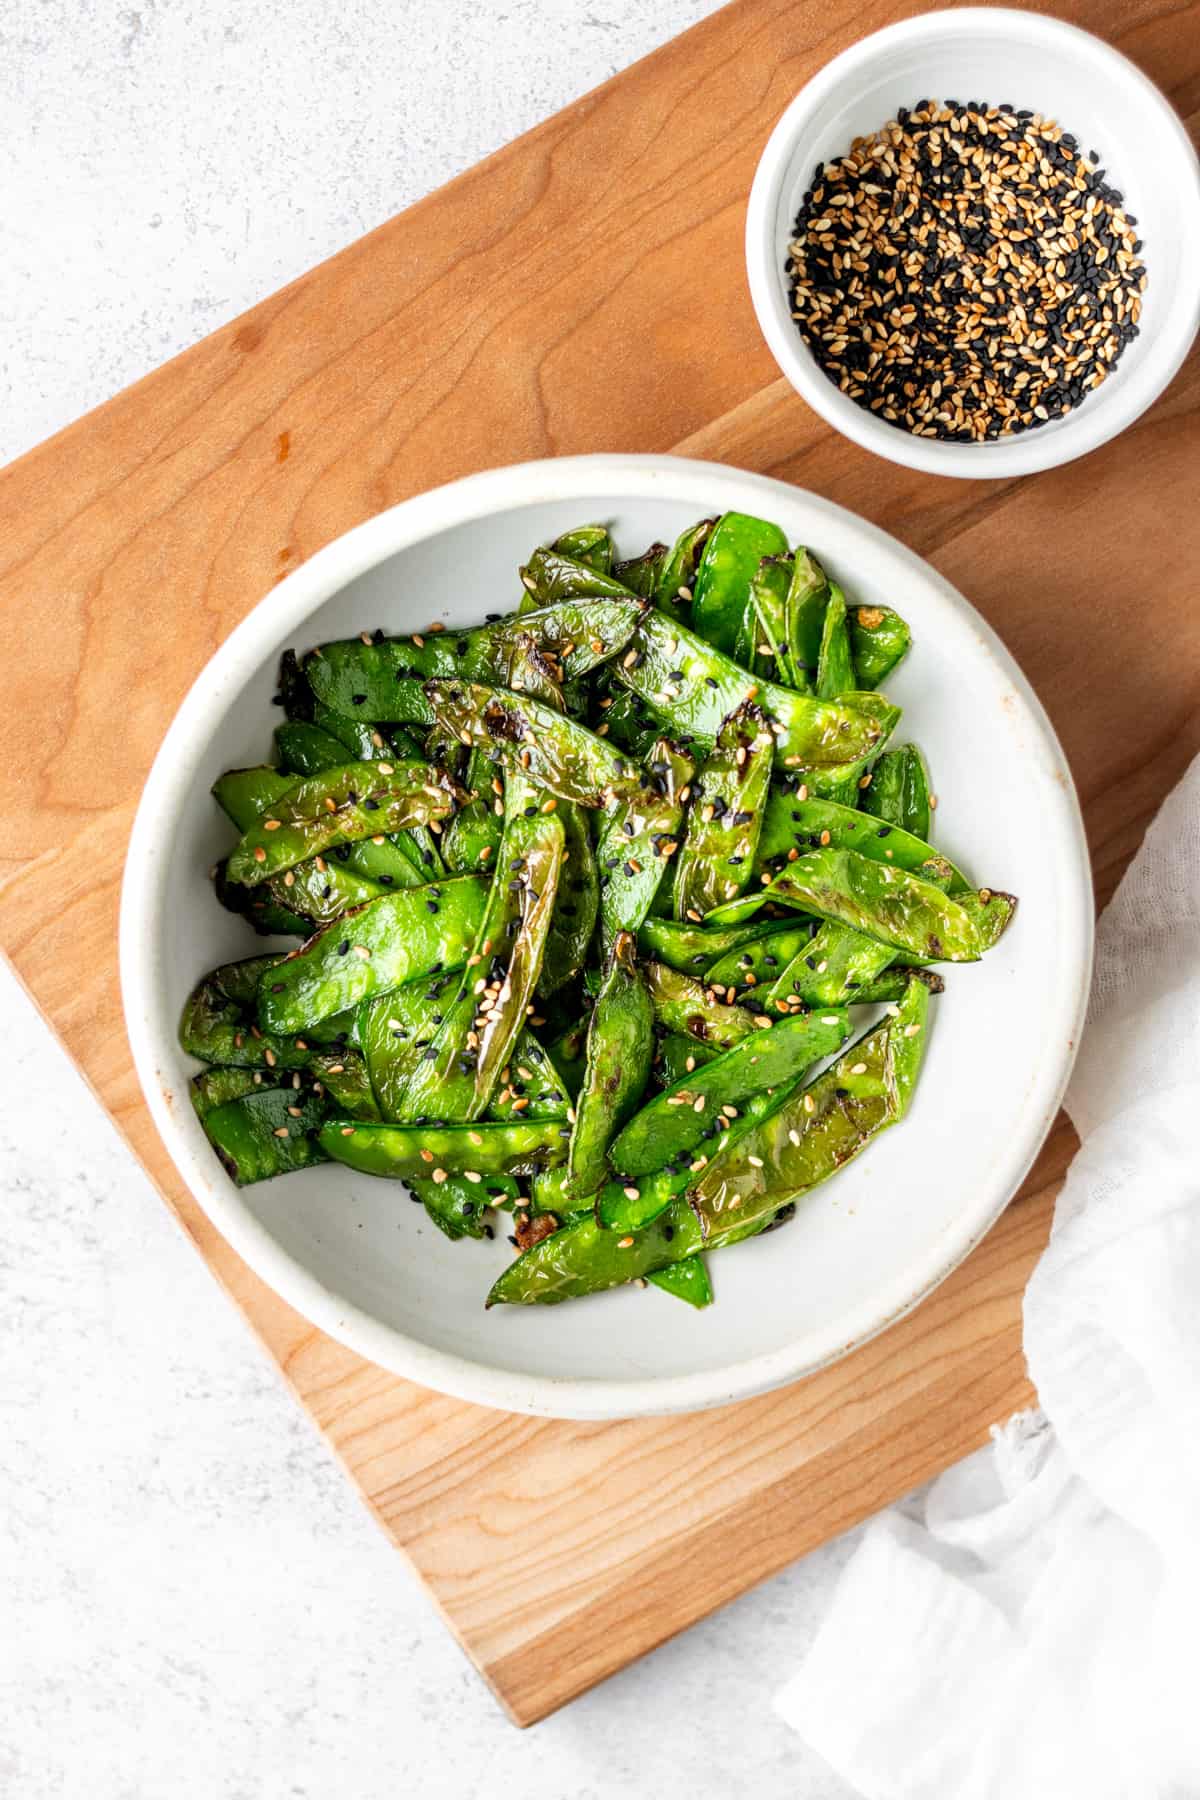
<point x="1035" y="1633"/>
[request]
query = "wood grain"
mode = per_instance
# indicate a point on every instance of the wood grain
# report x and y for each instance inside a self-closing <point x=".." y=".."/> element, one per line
<point x="582" y="290"/>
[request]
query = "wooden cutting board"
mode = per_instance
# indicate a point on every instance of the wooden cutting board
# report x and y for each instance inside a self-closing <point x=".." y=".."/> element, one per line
<point x="582" y="290"/>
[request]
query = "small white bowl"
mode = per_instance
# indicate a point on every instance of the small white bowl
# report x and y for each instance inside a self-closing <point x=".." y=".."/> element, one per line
<point x="1027" y="60"/>
<point x="353" y="1255"/>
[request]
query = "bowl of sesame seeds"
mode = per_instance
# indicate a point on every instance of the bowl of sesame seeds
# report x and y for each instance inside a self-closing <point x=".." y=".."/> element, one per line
<point x="973" y="242"/>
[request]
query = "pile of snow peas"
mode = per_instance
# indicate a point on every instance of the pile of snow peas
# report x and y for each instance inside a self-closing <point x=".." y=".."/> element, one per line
<point x="589" y="896"/>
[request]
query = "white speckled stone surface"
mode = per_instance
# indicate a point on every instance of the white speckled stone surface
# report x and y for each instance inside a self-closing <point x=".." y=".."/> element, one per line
<point x="195" y="1602"/>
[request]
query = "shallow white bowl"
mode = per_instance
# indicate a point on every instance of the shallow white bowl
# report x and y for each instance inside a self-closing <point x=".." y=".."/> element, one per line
<point x="993" y="54"/>
<point x="363" y="1263"/>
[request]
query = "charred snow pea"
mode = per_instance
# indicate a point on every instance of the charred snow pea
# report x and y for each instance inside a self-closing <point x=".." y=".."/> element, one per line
<point x="677" y="1121"/>
<point x="722" y="610"/>
<point x="898" y="791"/>
<point x="815" y="1132"/>
<point x="768" y="604"/>
<point x="640" y="574"/>
<point x="991" y="913"/>
<point x="473" y="834"/>
<point x="619" y="1049"/>
<point x="692" y="688"/>
<point x="530" y="1087"/>
<point x="830" y="970"/>
<point x="576" y="906"/>
<point x="375" y="681"/>
<point x="218" y="1023"/>
<point x="590" y="544"/>
<point x="835" y="666"/>
<point x="791" y="824"/>
<point x="879" y="640"/>
<point x="808" y="595"/>
<point x="676" y="581"/>
<point x="458" y="1206"/>
<point x="693" y="949"/>
<point x="679" y="1055"/>
<point x="305" y="749"/>
<point x="357" y="800"/>
<point x="554" y="752"/>
<point x="688" y="1006"/>
<point x="343" y="1075"/>
<point x="404" y="861"/>
<point x="637" y="841"/>
<point x="418" y="931"/>
<point x="687" y="1280"/>
<point x="431" y="1152"/>
<point x="755" y="962"/>
<point x="879" y="900"/>
<point x="213" y="1087"/>
<point x="724" y="818"/>
<point x="556" y="576"/>
<point x="266" y="1133"/>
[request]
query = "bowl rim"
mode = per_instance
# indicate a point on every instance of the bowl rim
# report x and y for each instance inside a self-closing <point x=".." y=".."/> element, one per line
<point x="1033" y="451"/>
<point x="281" y="613"/>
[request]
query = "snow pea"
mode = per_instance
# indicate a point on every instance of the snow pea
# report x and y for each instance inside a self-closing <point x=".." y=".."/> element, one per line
<point x="693" y="949"/>
<point x="675" y="585"/>
<point x="830" y="970"/>
<point x="218" y="1023"/>
<point x="266" y="1133"/>
<point x="724" y="818"/>
<point x="305" y="749"/>
<point x="835" y="666"/>
<point x="405" y="861"/>
<point x="397" y="1030"/>
<point x="590" y="544"/>
<point x="472" y="836"/>
<point x="755" y="962"/>
<point x="898" y="791"/>
<point x="620" y="1045"/>
<point x="692" y="688"/>
<point x="245" y="794"/>
<point x="641" y="574"/>
<point x="576" y="906"/>
<point x="459" y="1206"/>
<point x="677" y="1121"/>
<point x="808" y="595"/>
<point x="568" y="1053"/>
<point x="375" y="681"/>
<point x="531" y="1086"/>
<point x="417" y="931"/>
<point x="555" y="576"/>
<point x="637" y="840"/>
<point x="343" y="1076"/>
<point x="791" y="824"/>
<point x="898" y="908"/>
<point x="357" y="800"/>
<point x="879" y="640"/>
<point x="722" y="610"/>
<point x="990" y="911"/>
<point x="213" y="1087"/>
<point x="768" y="604"/>
<point x="814" y="1133"/>
<point x="687" y="1280"/>
<point x="420" y="1152"/>
<point x="678" y="1055"/>
<point x="554" y="752"/>
<point x="682" y="1004"/>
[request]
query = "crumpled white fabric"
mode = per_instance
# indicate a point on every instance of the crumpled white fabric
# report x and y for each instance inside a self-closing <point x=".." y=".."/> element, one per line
<point x="1035" y="1633"/>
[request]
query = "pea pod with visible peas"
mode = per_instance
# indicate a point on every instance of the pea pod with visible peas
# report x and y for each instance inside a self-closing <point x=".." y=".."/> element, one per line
<point x="419" y="1152"/>
<point x="791" y="824"/>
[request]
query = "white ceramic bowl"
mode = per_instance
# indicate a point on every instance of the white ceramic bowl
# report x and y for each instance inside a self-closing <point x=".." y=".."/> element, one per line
<point x="1027" y="60"/>
<point x="363" y="1263"/>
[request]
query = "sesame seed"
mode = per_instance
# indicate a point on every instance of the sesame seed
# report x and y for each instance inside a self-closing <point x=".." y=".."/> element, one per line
<point x="624" y="1243"/>
<point x="282" y="1131"/>
<point x="439" y="1175"/>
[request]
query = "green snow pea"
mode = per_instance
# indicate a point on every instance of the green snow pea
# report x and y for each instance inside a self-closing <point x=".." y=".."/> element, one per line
<point x="678" y="1120"/>
<point x="458" y="1206"/>
<point x="808" y="595"/>
<point x="641" y="574"/>
<point x="687" y="1280"/>
<point x="676" y="580"/>
<point x="218" y="1023"/>
<point x="554" y="752"/>
<point x="830" y="970"/>
<point x="416" y="931"/>
<point x="814" y="1133"/>
<point x="473" y="834"/>
<point x="790" y="823"/>
<point x="879" y="640"/>
<point x="357" y="800"/>
<point x="884" y="902"/>
<point x="693" y="949"/>
<point x="724" y="818"/>
<point x="246" y="794"/>
<point x="555" y="576"/>
<point x="343" y="1075"/>
<point x="532" y="1088"/>
<point x="835" y="666"/>
<point x="576" y="906"/>
<point x="626" y="1205"/>
<point x="678" y="1055"/>
<point x="756" y="962"/>
<point x="620" y="1045"/>
<point x="990" y="911"/>
<point x="722" y="610"/>
<point x="396" y="1029"/>
<point x="396" y="862"/>
<point x="418" y="1152"/>
<point x="305" y="749"/>
<point x="375" y="681"/>
<point x="898" y="791"/>
<point x="568" y="1053"/>
<point x="266" y="1133"/>
<point x="213" y="1087"/>
<point x="692" y="688"/>
<point x="637" y="840"/>
<point x="590" y="544"/>
<point x="681" y="1004"/>
<point x="768" y="604"/>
